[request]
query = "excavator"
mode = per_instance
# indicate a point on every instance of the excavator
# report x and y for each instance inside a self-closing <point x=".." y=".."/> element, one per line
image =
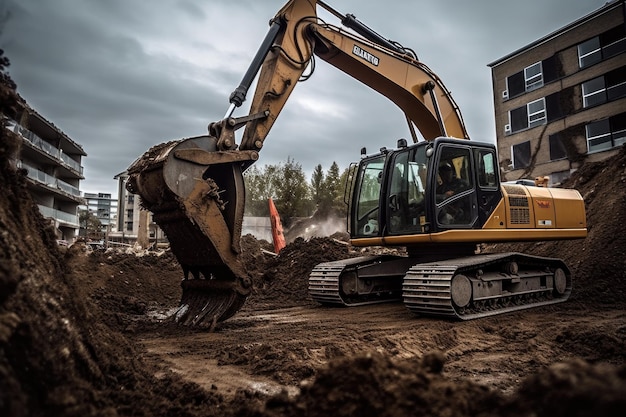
<point x="439" y="197"/>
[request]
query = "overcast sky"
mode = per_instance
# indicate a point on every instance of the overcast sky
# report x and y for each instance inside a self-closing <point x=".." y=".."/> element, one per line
<point x="119" y="76"/>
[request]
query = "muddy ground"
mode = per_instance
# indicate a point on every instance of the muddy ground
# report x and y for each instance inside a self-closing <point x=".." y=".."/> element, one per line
<point x="85" y="333"/>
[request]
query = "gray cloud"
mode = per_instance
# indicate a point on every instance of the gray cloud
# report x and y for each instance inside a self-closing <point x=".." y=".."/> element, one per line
<point x="121" y="76"/>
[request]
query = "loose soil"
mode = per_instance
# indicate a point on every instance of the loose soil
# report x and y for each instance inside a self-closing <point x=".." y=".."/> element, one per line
<point x="86" y="333"/>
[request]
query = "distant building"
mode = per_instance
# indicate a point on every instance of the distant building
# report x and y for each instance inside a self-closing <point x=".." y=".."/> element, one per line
<point x="53" y="163"/>
<point x="561" y="100"/>
<point x="102" y="206"/>
<point x="128" y="217"/>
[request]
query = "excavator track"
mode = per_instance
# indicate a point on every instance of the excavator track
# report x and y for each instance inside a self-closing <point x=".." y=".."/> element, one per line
<point x="485" y="285"/>
<point x="358" y="281"/>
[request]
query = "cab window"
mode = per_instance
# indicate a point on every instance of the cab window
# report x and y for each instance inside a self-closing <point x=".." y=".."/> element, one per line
<point x="454" y="194"/>
<point x="369" y="186"/>
<point x="406" y="208"/>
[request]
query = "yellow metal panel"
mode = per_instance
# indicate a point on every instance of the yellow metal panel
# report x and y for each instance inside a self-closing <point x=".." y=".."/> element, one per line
<point x="569" y="207"/>
<point x="497" y="220"/>
<point x="519" y="208"/>
<point x="407" y="240"/>
<point x="543" y="207"/>
<point x="368" y="241"/>
<point x="506" y="235"/>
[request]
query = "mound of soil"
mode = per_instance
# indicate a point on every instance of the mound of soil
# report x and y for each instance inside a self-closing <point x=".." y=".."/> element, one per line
<point x="598" y="262"/>
<point x="284" y="281"/>
<point x="378" y="386"/>
<point x="58" y="356"/>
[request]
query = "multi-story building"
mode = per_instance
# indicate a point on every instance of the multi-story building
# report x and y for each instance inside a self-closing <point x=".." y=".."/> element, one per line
<point x="133" y="223"/>
<point x="53" y="163"/>
<point x="561" y="100"/>
<point x="102" y="206"/>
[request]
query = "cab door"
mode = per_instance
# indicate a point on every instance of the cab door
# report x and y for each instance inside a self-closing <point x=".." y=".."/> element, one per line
<point x="487" y="182"/>
<point x="454" y="192"/>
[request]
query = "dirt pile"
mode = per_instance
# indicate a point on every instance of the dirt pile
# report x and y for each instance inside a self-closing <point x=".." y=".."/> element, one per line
<point x="378" y="386"/>
<point x="125" y="286"/>
<point x="599" y="261"/>
<point x="57" y="355"/>
<point x="284" y="278"/>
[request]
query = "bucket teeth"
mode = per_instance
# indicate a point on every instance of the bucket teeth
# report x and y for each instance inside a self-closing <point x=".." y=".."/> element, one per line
<point x="205" y="307"/>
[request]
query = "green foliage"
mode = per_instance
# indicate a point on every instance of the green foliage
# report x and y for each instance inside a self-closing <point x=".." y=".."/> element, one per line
<point x="285" y="184"/>
<point x="330" y="191"/>
<point x="317" y="184"/>
<point x="90" y="225"/>
<point x="293" y="196"/>
<point x="259" y="188"/>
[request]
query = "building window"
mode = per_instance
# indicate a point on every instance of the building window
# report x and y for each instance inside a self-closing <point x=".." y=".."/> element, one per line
<point x="618" y="129"/>
<point x="616" y="83"/>
<point x="557" y="149"/>
<point x="613" y="42"/>
<point x="521" y="155"/>
<point x="598" y="136"/>
<point x="560" y="103"/>
<point x="606" y="134"/>
<point x="609" y="87"/>
<point x="594" y="92"/>
<point x="531" y="115"/>
<point x="537" y="113"/>
<point x="589" y="52"/>
<point x="533" y="77"/>
<point x="608" y="44"/>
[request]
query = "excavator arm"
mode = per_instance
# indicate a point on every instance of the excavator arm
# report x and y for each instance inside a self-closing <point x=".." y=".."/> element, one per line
<point x="298" y="36"/>
<point x="194" y="186"/>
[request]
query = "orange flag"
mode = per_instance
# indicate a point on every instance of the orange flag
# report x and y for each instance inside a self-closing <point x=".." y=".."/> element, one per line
<point x="277" y="228"/>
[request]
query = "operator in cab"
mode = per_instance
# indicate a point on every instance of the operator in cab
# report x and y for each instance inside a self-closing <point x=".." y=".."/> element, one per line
<point x="450" y="183"/>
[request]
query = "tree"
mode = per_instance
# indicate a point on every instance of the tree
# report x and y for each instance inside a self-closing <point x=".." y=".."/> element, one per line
<point x="317" y="184"/>
<point x="90" y="225"/>
<point x="291" y="192"/>
<point x="259" y="188"/>
<point x="330" y="191"/>
<point x="284" y="183"/>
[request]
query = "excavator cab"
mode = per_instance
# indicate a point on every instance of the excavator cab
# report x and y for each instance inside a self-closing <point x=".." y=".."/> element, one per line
<point x="424" y="188"/>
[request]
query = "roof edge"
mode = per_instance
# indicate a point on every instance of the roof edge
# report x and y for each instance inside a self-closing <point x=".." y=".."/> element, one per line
<point x="609" y="6"/>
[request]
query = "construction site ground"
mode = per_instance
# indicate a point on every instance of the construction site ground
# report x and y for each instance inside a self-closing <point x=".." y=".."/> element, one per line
<point x="87" y="332"/>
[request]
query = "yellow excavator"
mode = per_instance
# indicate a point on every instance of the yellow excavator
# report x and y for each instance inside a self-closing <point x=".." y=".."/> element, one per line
<point x="438" y="197"/>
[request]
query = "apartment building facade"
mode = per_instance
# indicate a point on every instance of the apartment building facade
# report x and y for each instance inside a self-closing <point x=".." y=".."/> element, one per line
<point x="132" y="222"/>
<point x="103" y="206"/>
<point x="561" y="100"/>
<point x="53" y="164"/>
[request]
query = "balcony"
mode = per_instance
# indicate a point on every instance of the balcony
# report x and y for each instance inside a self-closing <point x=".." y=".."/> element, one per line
<point x="46" y="147"/>
<point x="50" y="181"/>
<point x="67" y="219"/>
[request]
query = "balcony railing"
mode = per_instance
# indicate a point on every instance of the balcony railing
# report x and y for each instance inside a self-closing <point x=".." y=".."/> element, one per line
<point x="49" y="180"/>
<point x="44" y="146"/>
<point x="61" y="216"/>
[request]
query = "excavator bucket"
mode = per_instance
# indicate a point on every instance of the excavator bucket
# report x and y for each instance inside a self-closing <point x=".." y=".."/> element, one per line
<point x="196" y="195"/>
